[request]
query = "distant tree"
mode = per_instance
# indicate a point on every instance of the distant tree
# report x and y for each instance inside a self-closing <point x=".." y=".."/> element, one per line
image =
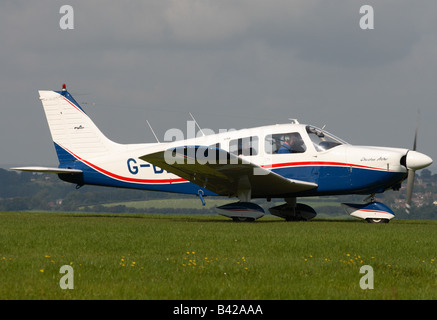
<point x="425" y="174"/>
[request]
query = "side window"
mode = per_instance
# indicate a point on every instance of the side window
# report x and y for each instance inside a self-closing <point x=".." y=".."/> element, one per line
<point x="290" y="142"/>
<point x="244" y="146"/>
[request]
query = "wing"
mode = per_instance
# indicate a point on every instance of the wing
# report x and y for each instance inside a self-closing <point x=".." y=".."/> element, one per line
<point x="224" y="173"/>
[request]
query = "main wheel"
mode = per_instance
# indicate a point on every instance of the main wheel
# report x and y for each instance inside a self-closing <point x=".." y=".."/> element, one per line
<point x="377" y="220"/>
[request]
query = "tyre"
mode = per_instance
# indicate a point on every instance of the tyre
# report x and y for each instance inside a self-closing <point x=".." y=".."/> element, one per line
<point x="377" y="220"/>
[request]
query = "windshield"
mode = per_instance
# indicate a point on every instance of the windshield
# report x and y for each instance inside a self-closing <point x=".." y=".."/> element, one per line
<point x="323" y="140"/>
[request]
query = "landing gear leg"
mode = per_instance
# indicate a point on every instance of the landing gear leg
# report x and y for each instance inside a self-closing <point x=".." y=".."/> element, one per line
<point x="291" y="204"/>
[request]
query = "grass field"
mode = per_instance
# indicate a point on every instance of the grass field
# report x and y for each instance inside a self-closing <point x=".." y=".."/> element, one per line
<point x="208" y="257"/>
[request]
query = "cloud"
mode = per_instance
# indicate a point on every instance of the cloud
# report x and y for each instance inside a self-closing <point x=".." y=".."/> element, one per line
<point x="204" y="21"/>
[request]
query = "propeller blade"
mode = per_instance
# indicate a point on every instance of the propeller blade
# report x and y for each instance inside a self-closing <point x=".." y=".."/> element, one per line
<point x="417" y="128"/>
<point x="415" y="140"/>
<point x="410" y="185"/>
<point x="411" y="172"/>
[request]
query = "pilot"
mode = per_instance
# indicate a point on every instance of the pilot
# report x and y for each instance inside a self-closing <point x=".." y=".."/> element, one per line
<point x="291" y="144"/>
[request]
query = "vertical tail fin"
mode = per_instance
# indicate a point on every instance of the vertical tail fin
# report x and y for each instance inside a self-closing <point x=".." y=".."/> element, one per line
<point x="73" y="132"/>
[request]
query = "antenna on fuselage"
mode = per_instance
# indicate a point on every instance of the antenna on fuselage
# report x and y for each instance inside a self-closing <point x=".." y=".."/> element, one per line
<point x="152" y="131"/>
<point x="196" y="123"/>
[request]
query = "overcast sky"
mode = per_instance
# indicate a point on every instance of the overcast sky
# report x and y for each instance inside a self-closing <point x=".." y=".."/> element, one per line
<point x="231" y="63"/>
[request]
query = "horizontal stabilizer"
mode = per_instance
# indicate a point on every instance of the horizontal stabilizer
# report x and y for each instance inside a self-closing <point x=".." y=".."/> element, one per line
<point x="48" y="170"/>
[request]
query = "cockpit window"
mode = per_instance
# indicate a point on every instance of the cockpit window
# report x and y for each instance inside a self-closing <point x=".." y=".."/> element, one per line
<point x="323" y="140"/>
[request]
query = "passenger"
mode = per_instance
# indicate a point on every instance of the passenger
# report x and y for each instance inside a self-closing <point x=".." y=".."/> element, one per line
<point x="286" y="145"/>
<point x="291" y="144"/>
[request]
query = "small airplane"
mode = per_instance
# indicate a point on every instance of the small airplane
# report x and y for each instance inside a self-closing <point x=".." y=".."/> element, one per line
<point x="286" y="161"/>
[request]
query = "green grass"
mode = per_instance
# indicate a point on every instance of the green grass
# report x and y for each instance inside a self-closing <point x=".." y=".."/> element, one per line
<point x="170" y="203"/>
<point x="206" y="257"/>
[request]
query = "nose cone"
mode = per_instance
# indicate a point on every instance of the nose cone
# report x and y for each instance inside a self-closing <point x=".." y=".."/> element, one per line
<point x="417" y="160"/>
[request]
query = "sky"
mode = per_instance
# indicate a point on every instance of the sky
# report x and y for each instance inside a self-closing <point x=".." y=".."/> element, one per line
<point x="231" y="63"/>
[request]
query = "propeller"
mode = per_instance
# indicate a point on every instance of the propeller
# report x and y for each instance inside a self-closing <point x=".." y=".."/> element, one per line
<point x="411" y="174"/>
<point x="415" y="161"/>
